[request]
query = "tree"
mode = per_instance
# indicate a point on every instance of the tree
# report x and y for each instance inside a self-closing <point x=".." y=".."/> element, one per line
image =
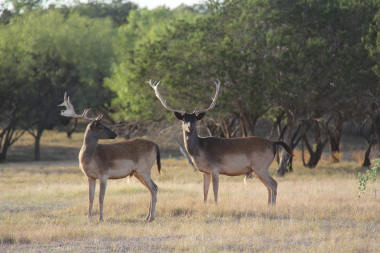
<point x="116" y="10"/>
<point x="22" y="6"/>
<point x="54" y="54"/>
<point x="322" y="67"/>
<point x="373" y="92"/>
<point x="137" y="46"/>
<point x="11" y="83"/>
<point x="240" y="55"/>
<point x="187" y="53"/>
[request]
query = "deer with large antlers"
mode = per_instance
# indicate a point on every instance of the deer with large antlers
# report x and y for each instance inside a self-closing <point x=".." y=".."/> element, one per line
<point x="115" y="160"/>
<point x="226" y="156"/>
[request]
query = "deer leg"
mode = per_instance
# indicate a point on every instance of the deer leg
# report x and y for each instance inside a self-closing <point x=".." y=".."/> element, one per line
<point x="153" y="191"/>
<point x="206" y="185"/>
<point x="274" y="192"/>
<point x="152" y="187"/>
<point x="215" y="184"/>
<point x="102" y="192"/>
<point x="270" y="184"/>
<point x="91" y="195"/>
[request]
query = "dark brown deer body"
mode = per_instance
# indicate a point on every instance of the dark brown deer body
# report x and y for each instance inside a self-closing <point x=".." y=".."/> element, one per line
<point x="227" y="156"/>
<point x="115" y="160"/>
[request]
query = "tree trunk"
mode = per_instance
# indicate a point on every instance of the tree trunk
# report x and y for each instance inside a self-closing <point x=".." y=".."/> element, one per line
<point x="284" y="162"/>
<point x="367" y="160"/>
<point x="8" y="136"/>
<point x="315" y="155"/>
<point x="71" y="131"/>
<point x="4" y="142"/>
<point x="225" y="127"/>
<point x="335" y="135"/>
<point x="376" y="126"/>
<point x="282" y="168"/>
<point x="248" y="124"/>
<point x="335" y="149"/>
<point x="37" y="140"/>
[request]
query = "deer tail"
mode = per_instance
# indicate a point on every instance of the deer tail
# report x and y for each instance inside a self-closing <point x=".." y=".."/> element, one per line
<point x="284" y="145"/>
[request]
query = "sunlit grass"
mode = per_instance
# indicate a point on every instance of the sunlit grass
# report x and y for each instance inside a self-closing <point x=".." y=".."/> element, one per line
<point x="45" y="208"/>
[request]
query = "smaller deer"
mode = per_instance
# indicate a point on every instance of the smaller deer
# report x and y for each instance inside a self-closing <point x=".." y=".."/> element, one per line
<point x="113" y="161"/>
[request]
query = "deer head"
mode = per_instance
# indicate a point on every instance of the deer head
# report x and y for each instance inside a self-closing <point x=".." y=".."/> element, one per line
<point x="95" y="128"/>
<point x="188" y="119"/>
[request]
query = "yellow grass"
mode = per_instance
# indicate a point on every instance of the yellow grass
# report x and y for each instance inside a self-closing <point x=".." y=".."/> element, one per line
<point x="43" y="208"/>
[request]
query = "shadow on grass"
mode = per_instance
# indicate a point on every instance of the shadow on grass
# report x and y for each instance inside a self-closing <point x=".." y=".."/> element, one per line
<point x="20" y="153"/>
<point x="43" y="169"/>
<point x="48" y="153"/>
<point x="181" y="212"/>
<point x="238" y="215"/>
<point x="128" y="220"/>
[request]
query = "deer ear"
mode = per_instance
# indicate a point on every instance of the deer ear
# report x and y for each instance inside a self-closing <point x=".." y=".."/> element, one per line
<point x="178" y="115"/>
<point x="200" y="115"/>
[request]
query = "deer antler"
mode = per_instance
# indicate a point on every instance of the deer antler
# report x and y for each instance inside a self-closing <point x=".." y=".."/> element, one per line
<point x="70" y="112"/>
<point x="212" y="105"/>
<point x="154" y="85"/>
<point x="85" y="115"/>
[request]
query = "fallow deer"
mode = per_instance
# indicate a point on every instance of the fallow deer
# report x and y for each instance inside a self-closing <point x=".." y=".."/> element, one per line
<point x="226" y="156"/>
<point x="114" y="160"/>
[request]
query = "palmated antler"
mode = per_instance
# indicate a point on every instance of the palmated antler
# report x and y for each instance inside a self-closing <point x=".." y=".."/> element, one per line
<point x="154" y="85"/>
<point x="213" y="103"/>
<point x="70" y="112"/>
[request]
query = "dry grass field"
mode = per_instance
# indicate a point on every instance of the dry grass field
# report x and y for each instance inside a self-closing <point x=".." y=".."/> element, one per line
<point x="43" y="208"/>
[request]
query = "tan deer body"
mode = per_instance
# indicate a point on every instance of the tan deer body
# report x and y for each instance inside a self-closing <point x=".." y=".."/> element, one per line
<point x="114" y="160"/>
<point x="118" y="160"/>
<point x="233" y="156"/>
<point x="226" y="156"/>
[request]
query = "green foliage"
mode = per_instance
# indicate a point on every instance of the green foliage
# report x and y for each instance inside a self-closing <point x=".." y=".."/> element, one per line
<point x="187" y="52"/>
<point x="23" y="6"/>
<point x="136" y="47"/>
<point x="43" y="54"/>
<point x="369" y="176"/>
<point x="321" y="43"/>
<point x="308" y="59"/>
<point x="116" y="10"/>
<point x="50" y="52"/>
<point x="268" y="54"/>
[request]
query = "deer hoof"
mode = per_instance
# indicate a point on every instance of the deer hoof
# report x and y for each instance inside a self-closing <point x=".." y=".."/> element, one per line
<point x="149" y="219"/>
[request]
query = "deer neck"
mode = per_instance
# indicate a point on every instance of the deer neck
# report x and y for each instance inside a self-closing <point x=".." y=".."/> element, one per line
<point x="88" y="148"/>
<point x="191" y="142"/>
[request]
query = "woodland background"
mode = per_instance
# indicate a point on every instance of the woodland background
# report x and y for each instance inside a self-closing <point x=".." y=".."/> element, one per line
<point x="305" y="72"/>
<point x="302" y="71"/>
